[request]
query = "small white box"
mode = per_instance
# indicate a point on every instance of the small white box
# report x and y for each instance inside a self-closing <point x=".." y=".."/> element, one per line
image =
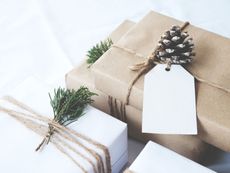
<point x="155" y="158"/>
<point x="17" y="148"/>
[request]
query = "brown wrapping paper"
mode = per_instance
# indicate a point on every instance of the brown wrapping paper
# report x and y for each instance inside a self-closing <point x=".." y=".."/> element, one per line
<point x="189" y="146"/>
<point x="210" y="65"/>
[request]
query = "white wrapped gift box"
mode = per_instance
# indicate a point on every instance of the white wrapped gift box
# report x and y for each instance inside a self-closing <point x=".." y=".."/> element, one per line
<point x="17" y="148"/>
<point x="155" y="158"/>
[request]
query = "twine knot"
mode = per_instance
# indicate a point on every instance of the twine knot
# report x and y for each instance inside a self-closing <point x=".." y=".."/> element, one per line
<point x="64" y="139"/>
<point x="168" y="45"/>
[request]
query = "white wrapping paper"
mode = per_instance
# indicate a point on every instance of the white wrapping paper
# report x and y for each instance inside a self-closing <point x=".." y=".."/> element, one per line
<point x="155" y="158"/>
<point x="18" y="143"/>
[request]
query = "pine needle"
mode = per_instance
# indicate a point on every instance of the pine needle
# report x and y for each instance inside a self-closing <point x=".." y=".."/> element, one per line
<point x="68" y="105"/>
<point x="98" y="50"/>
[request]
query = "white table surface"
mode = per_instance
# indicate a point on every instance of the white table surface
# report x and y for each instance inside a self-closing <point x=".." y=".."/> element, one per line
<point x="46" y="38"/>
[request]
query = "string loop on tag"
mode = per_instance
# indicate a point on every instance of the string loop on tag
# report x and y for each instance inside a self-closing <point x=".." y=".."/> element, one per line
<point x="173" y="48"/>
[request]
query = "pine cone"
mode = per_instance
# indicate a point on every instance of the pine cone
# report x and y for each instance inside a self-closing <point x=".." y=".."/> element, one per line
<point x="175" y="48"/>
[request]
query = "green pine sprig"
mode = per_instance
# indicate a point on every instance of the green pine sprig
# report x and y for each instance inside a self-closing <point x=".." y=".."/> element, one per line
<point x="98" y="50"/>
<point x="68" y="105"/>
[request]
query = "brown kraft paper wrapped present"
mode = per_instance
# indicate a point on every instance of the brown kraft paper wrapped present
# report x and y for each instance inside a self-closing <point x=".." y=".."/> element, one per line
<point x="210" y="67"/>
<point x="189" y="146"/>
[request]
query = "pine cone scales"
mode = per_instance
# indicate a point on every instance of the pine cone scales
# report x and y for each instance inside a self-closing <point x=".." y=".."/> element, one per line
<point x="175" y="47"/>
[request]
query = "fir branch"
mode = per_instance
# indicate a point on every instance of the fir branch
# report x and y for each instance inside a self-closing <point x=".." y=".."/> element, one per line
<point x="98" y="50"/>
<point x="68" y="105"/>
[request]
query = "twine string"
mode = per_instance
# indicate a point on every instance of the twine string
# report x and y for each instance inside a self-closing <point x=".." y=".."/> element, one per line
<point x="117" y="109"/>
<point x="38" y="123"/>
<point x="142" y="68"/>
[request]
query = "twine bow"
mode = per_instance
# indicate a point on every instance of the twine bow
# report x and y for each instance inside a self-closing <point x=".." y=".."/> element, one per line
<point x="142" y="68"/>
<point x="151" y="59"/>
<point x="145" y="66"/>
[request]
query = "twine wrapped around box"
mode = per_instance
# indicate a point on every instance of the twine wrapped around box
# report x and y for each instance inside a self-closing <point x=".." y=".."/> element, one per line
<point x="145" y="66"/>
<point x="210" y="67"/>
<point x="62" y="136"/>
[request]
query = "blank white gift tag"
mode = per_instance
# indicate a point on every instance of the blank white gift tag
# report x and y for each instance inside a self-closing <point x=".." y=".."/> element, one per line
<point x="169" y="101"/>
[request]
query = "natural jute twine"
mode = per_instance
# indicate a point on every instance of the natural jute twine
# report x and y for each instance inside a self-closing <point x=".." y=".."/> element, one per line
<point x="142" y="68"/>
<point x="117" y="109"/>
<point x="62" y="136"/>
<point x="145" y="66"/>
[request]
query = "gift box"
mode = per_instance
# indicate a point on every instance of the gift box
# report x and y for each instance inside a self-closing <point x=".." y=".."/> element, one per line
<point x="96" y="129"/>
<point x="112" y="74"/>
<point x="189" y="146"/>
<point x="156" y="158"/>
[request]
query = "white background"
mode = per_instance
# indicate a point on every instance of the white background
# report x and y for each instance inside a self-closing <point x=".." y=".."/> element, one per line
<point x="46" y="38"/>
